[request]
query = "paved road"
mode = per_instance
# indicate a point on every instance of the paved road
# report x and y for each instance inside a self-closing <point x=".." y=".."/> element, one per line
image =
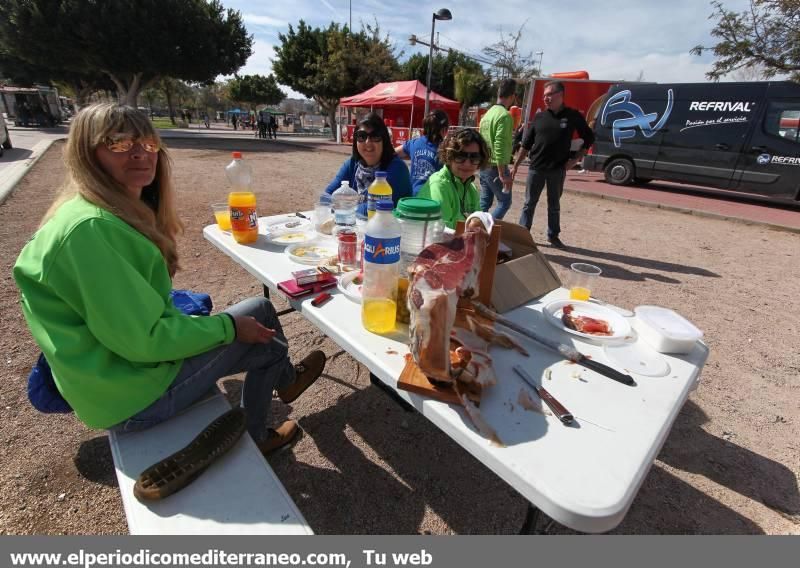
<point x="24" y="141"/>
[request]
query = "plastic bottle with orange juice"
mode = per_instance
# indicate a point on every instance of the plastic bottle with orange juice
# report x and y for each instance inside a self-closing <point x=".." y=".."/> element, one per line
<point x="242" y="201"/>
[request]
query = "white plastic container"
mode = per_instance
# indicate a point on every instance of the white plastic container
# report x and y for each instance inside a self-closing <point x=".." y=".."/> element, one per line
<point x="665" y="330"/>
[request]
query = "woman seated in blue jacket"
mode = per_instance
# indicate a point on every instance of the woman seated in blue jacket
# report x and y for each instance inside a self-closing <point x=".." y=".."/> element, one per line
<point x="372" y="152"/>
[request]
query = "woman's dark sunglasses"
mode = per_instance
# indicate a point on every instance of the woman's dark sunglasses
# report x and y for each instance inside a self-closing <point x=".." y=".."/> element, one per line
<point x="362" y="135"/>
<point x="461" y="157"/>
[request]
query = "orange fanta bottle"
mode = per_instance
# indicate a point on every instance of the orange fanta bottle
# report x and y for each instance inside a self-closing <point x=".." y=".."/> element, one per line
<point x="244" y="218"/>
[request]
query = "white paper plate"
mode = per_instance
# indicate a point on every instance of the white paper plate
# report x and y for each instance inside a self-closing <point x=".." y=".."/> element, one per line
<point x="350" y="288"/>
<point x="312" y="252"/>
<point x="620" y="326"/>
<point x="637" y="358"/>
<point x="289" y="231"/>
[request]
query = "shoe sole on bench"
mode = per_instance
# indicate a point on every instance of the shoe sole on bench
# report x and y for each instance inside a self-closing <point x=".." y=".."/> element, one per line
<point x="184" y="466"/>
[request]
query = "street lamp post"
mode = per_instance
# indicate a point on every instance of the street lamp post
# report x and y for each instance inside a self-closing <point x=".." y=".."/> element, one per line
<point x="541" y="56"/>
<point x="443" y="14"/>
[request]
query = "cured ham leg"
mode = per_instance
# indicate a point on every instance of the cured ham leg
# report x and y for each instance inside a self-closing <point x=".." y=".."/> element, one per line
<point x="442" y="273"/>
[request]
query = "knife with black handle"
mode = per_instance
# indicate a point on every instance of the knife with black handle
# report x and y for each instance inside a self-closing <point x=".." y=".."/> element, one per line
<point x="566" y="351"/>
<point x="606" y="371"/>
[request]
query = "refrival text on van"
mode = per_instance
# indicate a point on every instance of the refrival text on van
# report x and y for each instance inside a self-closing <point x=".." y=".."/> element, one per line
<point x="735" y="136"/>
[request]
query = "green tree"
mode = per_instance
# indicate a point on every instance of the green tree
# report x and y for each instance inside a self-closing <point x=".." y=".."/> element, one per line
<point x="471" y="87"/>
<point x="213" y="97"/>
<point x="256" y="90"/>
<point x="327" y="64"/>
<point x="767" y="36"/>
<point x="443" y="69"/>
<point x="131" y="42"/>
<point x="80" y="84"/>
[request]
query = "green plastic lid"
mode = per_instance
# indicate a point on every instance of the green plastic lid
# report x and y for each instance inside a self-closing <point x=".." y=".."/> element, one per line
<point x="418" y="209"/>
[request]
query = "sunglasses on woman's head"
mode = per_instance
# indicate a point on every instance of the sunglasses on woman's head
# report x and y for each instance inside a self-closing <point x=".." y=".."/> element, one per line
<point x="362" y="135"/>
<point x="461" y="157"/>
<point x="119" y="145"/>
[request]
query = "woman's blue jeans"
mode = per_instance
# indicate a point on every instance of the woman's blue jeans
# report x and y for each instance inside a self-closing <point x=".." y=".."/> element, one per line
<point x="267" y="366"/>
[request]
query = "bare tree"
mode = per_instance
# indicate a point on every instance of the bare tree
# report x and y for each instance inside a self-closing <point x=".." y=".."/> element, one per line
<point x="508" y="60"/>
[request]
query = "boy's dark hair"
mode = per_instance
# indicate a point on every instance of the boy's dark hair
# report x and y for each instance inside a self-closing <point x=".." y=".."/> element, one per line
<point x="557" y="84"/>
<point x="434" y="123"/>
<point x="374" y="123"/>
<point x="507" y="88"/>
<point x="457" y="140"/>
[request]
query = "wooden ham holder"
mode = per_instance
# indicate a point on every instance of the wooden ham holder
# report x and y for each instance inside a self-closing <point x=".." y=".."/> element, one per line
<point x="412" y="379"/>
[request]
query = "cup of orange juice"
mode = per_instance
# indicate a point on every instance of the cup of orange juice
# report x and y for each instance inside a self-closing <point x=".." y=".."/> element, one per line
<point x="222" y="214"/>
<point x="582" y="279"/>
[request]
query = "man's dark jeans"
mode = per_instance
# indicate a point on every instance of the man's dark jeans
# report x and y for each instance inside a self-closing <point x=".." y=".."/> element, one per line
<point x="533" y="190"/>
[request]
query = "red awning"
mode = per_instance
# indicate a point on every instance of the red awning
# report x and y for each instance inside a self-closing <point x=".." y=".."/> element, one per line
<point x="399" y="94"/>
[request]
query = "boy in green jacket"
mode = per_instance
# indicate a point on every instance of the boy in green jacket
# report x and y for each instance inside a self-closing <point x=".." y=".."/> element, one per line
<point x="462" y="152"/>
<point x="497" y="129"/>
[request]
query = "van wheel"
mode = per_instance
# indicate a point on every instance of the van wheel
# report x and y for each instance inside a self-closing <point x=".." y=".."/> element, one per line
<point x="619" y="171"/>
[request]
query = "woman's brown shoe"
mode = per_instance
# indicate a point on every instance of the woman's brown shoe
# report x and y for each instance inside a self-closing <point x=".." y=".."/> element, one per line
<point x="306" y="372"/>
<point x="279" y="437"/>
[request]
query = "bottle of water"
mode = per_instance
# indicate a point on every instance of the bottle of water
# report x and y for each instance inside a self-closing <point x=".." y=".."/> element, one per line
<point x="345" y="202"/>
<point x="239" y="173"/>
<point x="381" y="265"/>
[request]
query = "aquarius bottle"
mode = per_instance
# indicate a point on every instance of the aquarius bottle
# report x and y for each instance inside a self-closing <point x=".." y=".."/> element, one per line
<point x="379" y="189"/>
<point x="381" y="265"/>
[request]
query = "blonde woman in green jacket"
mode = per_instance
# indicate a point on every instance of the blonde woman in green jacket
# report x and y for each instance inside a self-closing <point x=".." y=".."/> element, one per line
<point x="95" y="282"/>
<point x="463" y="153"/>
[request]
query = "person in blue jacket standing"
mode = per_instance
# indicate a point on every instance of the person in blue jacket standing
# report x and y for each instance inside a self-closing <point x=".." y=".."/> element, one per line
<point x="372" y="152"/>
<point x="422" y="150"/>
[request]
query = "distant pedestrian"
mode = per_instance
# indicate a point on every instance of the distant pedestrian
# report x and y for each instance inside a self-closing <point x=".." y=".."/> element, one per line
<point x="497" y="129"/>
<point x="262" y="124"/>
<point x="547" y="143"/>
<point x="422" y="150"/>
<point x="234" y="120"/>
<point x="273" y="126"/>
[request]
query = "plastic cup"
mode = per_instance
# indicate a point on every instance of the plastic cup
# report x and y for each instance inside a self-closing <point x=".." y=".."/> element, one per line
<point x="582" y="280"/>
<point x="222" y="214"/>
<point x="322" y="214"/>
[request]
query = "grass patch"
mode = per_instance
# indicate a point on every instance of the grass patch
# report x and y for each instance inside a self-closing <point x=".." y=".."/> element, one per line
<point x="163" y="122"/>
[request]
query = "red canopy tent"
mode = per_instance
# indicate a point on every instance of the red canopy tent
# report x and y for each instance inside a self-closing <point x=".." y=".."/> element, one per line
<point x="402" y="103"/>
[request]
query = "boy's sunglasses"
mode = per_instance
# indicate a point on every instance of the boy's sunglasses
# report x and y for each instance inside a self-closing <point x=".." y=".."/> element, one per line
<point x="362" y="135"/>
<point x="120" y="145"/>
<point x="461" y="157"/>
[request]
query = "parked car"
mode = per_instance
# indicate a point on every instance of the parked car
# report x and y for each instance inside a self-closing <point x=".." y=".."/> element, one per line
<point x="735" y="136"/>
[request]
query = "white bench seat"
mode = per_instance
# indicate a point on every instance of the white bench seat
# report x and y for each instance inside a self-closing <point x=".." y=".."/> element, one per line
<point x="237" y="494"/>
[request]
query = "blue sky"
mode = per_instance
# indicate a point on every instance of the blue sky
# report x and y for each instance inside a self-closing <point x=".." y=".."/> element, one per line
<point x="611" y="39"/>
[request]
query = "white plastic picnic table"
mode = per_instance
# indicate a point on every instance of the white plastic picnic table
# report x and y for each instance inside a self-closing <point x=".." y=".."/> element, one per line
<point x="584" y="476"/>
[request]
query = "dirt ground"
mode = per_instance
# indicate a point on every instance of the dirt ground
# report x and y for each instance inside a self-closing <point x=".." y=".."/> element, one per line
<point x="364" y="465"/>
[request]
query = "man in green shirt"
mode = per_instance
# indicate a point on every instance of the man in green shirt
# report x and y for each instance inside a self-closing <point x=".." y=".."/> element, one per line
<point x="497" y="129"/>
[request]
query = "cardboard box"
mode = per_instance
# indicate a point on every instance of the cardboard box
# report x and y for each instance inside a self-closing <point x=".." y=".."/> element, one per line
<point x="526" y="276"/>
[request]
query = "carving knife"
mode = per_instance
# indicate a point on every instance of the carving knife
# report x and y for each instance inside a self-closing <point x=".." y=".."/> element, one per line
<point x="558" y="409"/>
<point x="566" y="351"/>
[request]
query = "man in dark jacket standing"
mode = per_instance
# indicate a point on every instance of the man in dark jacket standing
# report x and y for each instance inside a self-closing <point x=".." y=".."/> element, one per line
<point x="547" y="142"/>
